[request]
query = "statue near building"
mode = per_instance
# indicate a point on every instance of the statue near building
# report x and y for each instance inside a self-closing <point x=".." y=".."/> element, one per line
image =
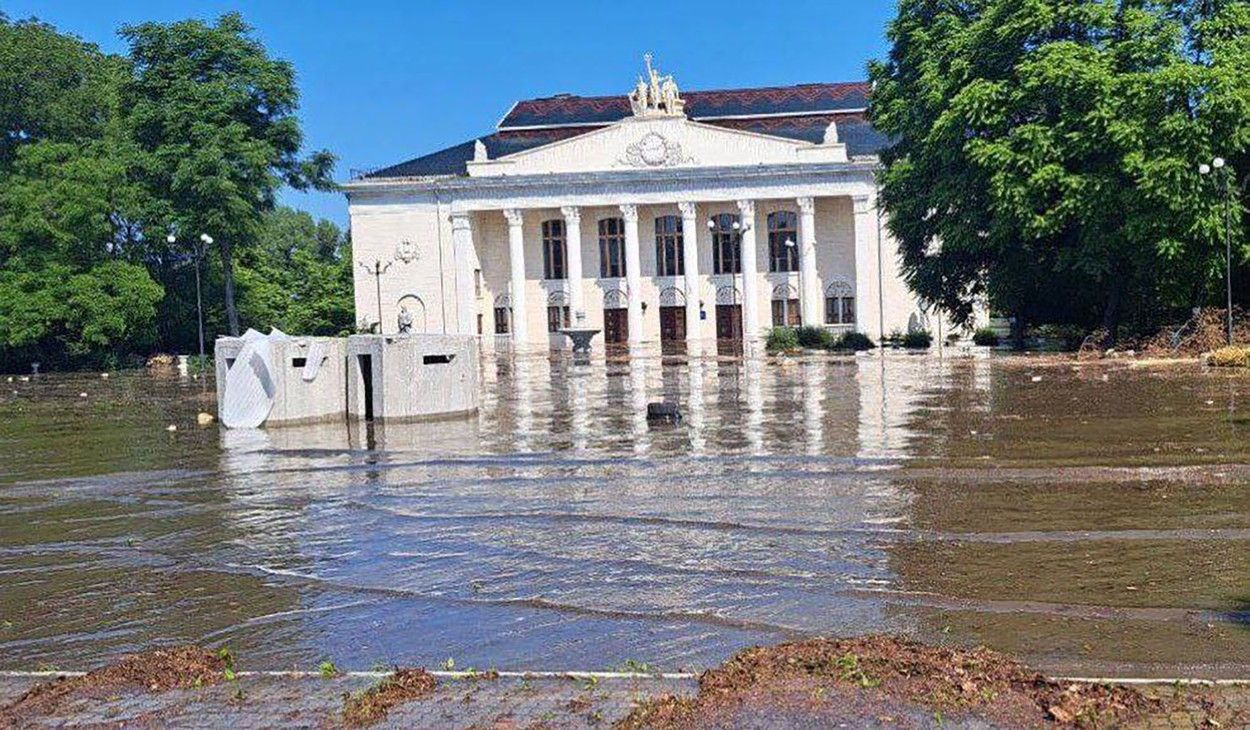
<point x="405" y="321"/>
<point x="656" y="95"/>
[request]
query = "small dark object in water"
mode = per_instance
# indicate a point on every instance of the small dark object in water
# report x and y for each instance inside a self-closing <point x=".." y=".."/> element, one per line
<point x="663" y="411"/>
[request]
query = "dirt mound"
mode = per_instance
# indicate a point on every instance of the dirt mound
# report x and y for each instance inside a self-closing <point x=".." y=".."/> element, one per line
<point x="1207" y="330"/>
<point x="372" y="705"/>
<point x="897" y="678"/>
<point x="159" y="670"/>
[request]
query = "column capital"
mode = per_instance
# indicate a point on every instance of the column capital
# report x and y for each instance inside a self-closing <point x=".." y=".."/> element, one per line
<point x="807" y="205"/>
<point x="747" y="208"/>
<point x="629" y="212"/>
<point x="688" y="209"/>
<point x="514" y="216"/>
<point x="571" y="213"/>
<point x="864" y="203"/>
<point x="460" y="221"/>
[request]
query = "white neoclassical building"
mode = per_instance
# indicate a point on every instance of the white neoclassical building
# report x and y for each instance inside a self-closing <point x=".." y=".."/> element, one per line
<point x="686" y="220"/>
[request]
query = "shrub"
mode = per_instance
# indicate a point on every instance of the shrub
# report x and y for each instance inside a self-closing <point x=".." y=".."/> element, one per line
<point x="855" y="341"/>
<point x="815" y="338"/>
<point x="1233" y="356"/>
<point x="985" y="336"/>
<point x="782" y="339"/>
<point x="918" y="340"/>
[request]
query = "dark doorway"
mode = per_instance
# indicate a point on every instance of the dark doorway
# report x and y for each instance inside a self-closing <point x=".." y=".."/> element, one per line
<point x="365" y="363"/>
<point x="729" y="329"/>
<point x="616" y="326"/>
<point x="672" y="328"/>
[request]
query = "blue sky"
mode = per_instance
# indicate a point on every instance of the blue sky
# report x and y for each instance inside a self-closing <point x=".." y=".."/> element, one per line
<point x="386" y="80"/>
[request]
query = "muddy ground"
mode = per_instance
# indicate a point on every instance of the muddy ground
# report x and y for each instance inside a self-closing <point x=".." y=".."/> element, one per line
<point x="862" y="682"/>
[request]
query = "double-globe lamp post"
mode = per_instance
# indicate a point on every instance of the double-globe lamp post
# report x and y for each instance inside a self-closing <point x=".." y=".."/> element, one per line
<point x="197" y="248"/>
<point x="1222" y="172"/>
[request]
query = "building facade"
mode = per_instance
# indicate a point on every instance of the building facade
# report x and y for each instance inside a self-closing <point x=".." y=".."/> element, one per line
<point x="692" y="221"/>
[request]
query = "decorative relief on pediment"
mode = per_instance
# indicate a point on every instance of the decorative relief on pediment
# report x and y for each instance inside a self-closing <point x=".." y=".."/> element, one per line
<point x="655" y="150"/>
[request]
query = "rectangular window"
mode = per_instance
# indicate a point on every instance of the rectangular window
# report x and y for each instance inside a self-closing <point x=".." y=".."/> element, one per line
<point x="554" y="251"/>
<point x="612" y="248"/>
<point x="839" y="310"/>
<point x="786" y="313"/>
<point x="783" y="236"/>
<point x="557" y="317"/>
<point x="669" y="254"/>
<point x="479" y="323"/>
<point x="477" y="283"/>
<point x="726" y="244"/>
<point x="502" y="317"/>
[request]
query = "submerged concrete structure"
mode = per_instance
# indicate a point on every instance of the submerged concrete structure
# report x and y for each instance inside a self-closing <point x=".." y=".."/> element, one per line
<point x="411" y="377"/>
<point x="279" y="380"/>
<point x="302" y="390"/>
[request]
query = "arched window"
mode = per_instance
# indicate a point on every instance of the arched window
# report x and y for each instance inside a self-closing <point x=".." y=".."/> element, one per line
<point x="783" y="236"/>
<point x="726" y="244"/>
<point x="611" y="248"/>
<point x="839" y="303"/>
<point x="503" y="314"/>
<point x="615" y="299"/>
<point x="786" y="311"/>
<point x="555" y="252"/>
<point x="557" y="311"/>
<point x="668" y="246"/>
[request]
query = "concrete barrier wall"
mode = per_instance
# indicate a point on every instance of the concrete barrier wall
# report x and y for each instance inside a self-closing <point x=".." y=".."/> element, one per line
<point x="295" y="400"/>
<point x="411" y="377"/>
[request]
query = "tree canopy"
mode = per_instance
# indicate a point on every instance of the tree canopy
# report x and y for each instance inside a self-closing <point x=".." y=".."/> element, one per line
<point x="1045" y="153"/>
<point x="103" y="156"/>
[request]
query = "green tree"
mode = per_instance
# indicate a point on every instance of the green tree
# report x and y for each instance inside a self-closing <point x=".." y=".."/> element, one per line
<point x="298" y="277"/>
<point x="214" y="126"/>
<point x="1044" y="152"/>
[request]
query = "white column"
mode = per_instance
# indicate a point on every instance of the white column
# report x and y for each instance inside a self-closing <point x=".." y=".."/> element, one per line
<point x="573" y="238"/>
<point x="466" y="263"/>
<point x="867" y="291"/>
<point x="633" y="272"/>
<point x="516" y="259"/>
<point x="750" y="276"/>
<point x="809" y="285"/>
<point x="690" y="262"/>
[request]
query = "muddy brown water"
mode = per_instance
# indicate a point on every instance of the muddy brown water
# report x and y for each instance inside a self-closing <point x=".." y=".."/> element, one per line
<point x="1095" y="521"/>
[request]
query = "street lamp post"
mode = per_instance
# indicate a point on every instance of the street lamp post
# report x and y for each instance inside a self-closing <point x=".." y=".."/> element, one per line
<point x="736" y="231"/>
<point x="1221" y="171"/>
<point x="197" y="249"/>
<point x="376" y="269"/>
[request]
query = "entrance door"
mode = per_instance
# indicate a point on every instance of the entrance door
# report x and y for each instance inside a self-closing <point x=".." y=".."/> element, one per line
<point x="616" y="326"/>
<point x="672" y="328"/>
<point x="729" y="328"/>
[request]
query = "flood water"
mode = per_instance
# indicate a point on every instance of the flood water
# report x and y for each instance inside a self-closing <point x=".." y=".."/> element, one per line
<point x="1091" y="518"/>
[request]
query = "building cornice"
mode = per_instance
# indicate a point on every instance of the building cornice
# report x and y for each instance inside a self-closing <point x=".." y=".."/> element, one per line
<point x="725" y="175"/>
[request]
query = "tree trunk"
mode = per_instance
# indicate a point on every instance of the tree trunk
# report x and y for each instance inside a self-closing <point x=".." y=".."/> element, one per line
<point x="227" y="276"/>
<point x="1017" y="331"/>
<point x="1111" y="317"/>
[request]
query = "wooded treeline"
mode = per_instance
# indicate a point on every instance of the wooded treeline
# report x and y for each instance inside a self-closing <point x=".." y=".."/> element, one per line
<point x="1046" y="155"/>
<point x="104" y="157"/>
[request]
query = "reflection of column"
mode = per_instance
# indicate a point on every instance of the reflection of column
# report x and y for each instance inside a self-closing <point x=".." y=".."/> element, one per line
<point x="638" y="403"/>
<point x="752" y="372"/>
<point x="690" y="263"/>
<point x="573" y="247"/>
<point x="694" y="407"/>
<point x="809" y="286"/>
<point x="466" y="295"/>
<point x="750" y="296"/>
<point x="867" y="303"/>
<point x="522" y="400"/>
<point x="516" y="259"/>
<point x="633" y="272"/>
<point x="580" y="403"/>
<point x="813" y="406"/>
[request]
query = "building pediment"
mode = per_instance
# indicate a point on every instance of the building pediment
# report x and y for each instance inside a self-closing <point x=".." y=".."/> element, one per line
<point x="660" y="142"/>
